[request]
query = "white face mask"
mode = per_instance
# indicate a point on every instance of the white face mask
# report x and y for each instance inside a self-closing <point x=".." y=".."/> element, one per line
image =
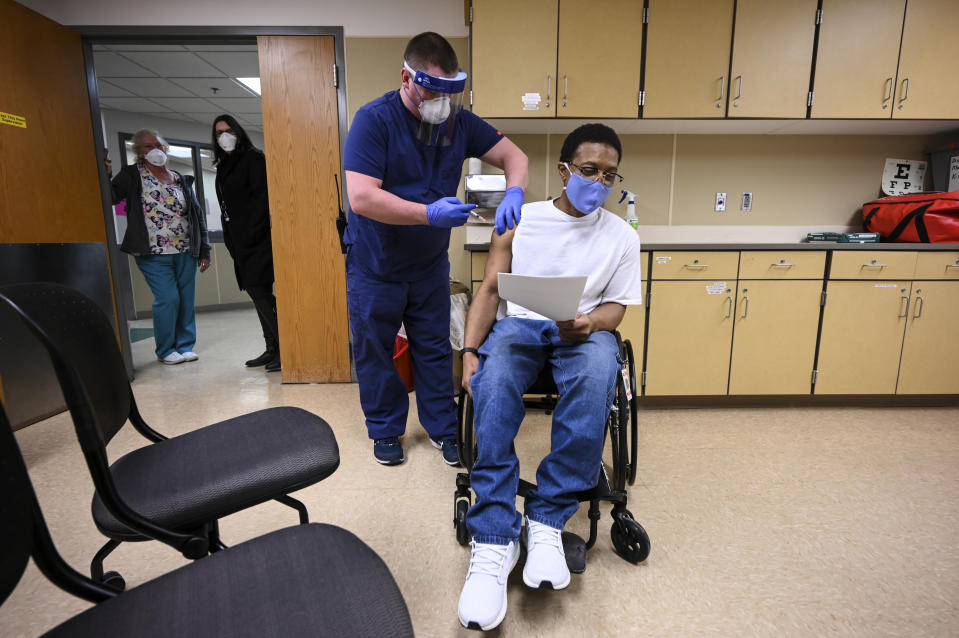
<point x="227" y="142"/>
<point x="435" y="111"/>
<point x="156" y="157"/>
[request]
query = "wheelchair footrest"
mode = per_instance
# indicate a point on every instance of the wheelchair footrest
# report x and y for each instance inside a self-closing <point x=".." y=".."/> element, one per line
<point x="575" y="548"/>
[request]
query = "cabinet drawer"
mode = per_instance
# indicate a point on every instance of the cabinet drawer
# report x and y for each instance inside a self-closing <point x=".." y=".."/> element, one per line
<point x="872" y="264"/>
<point x="477" y="265"/>
<point x="938" y="265"/>
<point x="782" y="264"/>
<point x="695" y="265"/>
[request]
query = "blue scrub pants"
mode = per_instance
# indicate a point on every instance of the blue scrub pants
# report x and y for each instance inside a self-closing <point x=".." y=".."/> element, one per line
<point x="377" y="308"/>
<point x="585" y="374"/>
<point x="172" y="278"/>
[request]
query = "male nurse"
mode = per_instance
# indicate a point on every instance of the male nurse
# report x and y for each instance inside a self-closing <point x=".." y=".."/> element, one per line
<point x="403" y="160"/>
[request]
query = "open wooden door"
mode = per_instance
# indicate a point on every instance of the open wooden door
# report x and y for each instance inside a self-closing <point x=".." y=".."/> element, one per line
<point x="301" y="131"/>
<point x="52" y="224"/>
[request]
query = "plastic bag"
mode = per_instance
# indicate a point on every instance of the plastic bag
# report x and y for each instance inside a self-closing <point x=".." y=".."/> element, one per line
<point x="459" y="304"/>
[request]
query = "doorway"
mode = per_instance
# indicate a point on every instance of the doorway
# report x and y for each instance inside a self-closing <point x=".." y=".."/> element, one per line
<point x="145" y="74"/>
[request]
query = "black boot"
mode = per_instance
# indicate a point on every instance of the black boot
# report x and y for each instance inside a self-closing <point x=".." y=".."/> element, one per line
<point x="263" y="359"/>
<point x="274" y="364"/>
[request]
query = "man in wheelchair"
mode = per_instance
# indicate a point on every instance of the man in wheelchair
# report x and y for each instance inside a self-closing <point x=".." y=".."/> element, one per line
<point x="570" y="235"/>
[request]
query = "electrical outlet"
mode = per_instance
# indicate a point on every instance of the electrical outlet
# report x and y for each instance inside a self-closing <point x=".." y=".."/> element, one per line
<point x="747" y="204"/>
<point x="720" y="202"/>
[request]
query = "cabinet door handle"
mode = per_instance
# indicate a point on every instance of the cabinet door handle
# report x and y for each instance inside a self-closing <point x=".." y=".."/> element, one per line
<point x="905" y="85"/>
<point x="874" y="265"/>
<point x="920" y="302"/>
<point x="782" y="264"/>
<point x="549" y="85"/>
<point x="729" y="309"/>
<point x="906" y="299"/>
<point x="739" y="89"/>
<point x="565" y="89"/>
<point x="695" y="265"/>
<point x="888" y="97"/>
<point x="955" y="265"/>
<point x="745" y="306"/>
<point x="722" y="88"/>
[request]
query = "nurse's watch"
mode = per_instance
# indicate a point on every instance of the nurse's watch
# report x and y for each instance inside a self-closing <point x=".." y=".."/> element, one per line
<point x="465" y="350"/>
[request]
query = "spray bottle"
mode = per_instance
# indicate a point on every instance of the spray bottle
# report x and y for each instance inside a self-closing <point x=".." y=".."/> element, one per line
<point x="630" y="208"/>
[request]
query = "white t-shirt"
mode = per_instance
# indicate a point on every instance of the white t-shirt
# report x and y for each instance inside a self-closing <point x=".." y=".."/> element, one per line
<point x="601" y="245"/>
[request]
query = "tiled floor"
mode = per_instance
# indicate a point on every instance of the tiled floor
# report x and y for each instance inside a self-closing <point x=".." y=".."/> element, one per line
<point x="764" y="522"/>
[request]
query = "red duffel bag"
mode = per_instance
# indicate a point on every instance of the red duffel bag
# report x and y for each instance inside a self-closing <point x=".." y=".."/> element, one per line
<point x="920" y="217"/>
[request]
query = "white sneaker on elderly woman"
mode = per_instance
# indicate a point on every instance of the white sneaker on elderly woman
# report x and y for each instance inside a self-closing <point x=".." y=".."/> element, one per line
<point x="545" y="558"/>
<point x="483" y="599"/>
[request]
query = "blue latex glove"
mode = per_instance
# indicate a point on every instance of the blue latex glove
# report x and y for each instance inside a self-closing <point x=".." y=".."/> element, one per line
<point x="507" y="213"/>
<point x="448" y="212"/>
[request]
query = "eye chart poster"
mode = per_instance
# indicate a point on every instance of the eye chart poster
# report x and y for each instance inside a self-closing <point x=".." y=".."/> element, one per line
<point x="901" y="177"/>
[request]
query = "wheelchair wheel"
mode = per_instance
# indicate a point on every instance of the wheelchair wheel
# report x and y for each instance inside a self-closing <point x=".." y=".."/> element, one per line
<point x="459" y="522"/>
<point x="629" y="538"/>
<point x="465" y="437"/>
<point x="633" y="413"/>
<point x="618" y="436"/>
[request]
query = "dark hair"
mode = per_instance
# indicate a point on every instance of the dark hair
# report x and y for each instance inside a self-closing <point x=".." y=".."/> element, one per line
<point x="599" y="133"/>
<point x="242" y="139"/>
<point x="431" y="48"/>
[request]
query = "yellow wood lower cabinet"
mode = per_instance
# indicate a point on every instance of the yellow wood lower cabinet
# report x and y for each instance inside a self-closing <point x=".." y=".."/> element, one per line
<point x="633" y="328"/>
<point x="774" y="340"/>
<point x="861" y="340"/>
<point x="930" y="351"/>
<point x="691" y="325"/>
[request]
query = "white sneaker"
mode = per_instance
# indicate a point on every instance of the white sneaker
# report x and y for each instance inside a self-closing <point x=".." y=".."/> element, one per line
<point x="545" y="559"/>
<point x="189" y="355"/>
<point x="483" y="599"/>
<point x="172" y="358"/>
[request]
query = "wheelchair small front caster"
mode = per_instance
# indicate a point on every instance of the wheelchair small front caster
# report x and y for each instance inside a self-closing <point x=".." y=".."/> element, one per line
<point x="459" y="522"/>
<point x="114" y="580"/>
<point x="629" y="538"/>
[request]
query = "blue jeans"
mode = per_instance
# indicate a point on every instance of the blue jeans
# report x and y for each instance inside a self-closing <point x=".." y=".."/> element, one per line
<point x="377" y="308"/>
<point x="172" y="278"/>
<point x="585" y="374"/>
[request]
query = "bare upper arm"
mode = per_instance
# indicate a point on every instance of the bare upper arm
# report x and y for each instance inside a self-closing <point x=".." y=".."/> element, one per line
<point x="500" y="259"/>
<point x="358" y="185"/>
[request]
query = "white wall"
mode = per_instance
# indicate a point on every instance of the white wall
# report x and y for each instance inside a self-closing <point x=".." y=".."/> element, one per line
<point x="357" y="17"/>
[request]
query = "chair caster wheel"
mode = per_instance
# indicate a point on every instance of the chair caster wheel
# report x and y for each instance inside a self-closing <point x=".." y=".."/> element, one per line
<point x="459" y="522"/>
<point x="114" y="580"/>
<point x="629" y="538"/>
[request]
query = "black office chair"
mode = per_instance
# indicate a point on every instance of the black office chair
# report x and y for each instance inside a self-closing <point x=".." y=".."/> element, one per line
<point x="630" y="539"/>
<point x="176" y="489"/>
<point x="306" y="580"/>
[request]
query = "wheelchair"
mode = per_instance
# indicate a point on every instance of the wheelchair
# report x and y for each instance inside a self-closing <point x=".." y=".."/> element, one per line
<point x="629" y="538"/>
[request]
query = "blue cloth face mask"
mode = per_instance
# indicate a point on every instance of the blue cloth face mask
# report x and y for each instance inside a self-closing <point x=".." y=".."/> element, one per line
<point x="585" y="195"/>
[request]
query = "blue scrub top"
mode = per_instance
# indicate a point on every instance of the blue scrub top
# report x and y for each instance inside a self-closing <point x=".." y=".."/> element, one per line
<point x="382" y="143"/>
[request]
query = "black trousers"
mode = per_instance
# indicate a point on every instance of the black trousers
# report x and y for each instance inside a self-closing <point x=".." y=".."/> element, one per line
<point x="265" y="303"/>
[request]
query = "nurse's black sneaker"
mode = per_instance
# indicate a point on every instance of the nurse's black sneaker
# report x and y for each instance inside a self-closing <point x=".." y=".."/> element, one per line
<point x="450" y="455"/>
<point x="388" y="451"/>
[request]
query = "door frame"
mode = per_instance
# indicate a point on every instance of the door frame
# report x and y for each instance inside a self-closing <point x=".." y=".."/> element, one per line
<point x="108" y="34"/>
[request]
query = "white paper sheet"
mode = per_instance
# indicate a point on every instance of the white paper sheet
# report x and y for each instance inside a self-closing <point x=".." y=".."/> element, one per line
<point x="555" y="298"/>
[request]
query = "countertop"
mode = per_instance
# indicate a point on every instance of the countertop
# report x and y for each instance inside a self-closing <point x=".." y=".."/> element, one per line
<point x="819" y="245"/>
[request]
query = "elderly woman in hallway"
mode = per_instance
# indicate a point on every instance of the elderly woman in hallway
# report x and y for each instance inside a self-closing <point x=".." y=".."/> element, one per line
<point x="166" y="233"/>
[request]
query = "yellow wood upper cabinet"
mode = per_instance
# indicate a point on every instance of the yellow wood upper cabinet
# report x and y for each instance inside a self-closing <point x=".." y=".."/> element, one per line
<point x="857" y="58"/>
<point x="928" y="83"/>
<point x="514" y="58"/>
<point x="687" y="58"/>
<point x="599" y="58"/>
<point x="549" y="58"/>
<point x="772" y="58"/>
<point x="930" y="351"/>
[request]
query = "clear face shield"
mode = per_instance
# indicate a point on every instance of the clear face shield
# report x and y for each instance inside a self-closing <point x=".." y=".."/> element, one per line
<point x="439" y="101"/>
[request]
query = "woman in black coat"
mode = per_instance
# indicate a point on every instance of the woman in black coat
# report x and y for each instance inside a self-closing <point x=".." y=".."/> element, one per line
<point x="241" y="189"/>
